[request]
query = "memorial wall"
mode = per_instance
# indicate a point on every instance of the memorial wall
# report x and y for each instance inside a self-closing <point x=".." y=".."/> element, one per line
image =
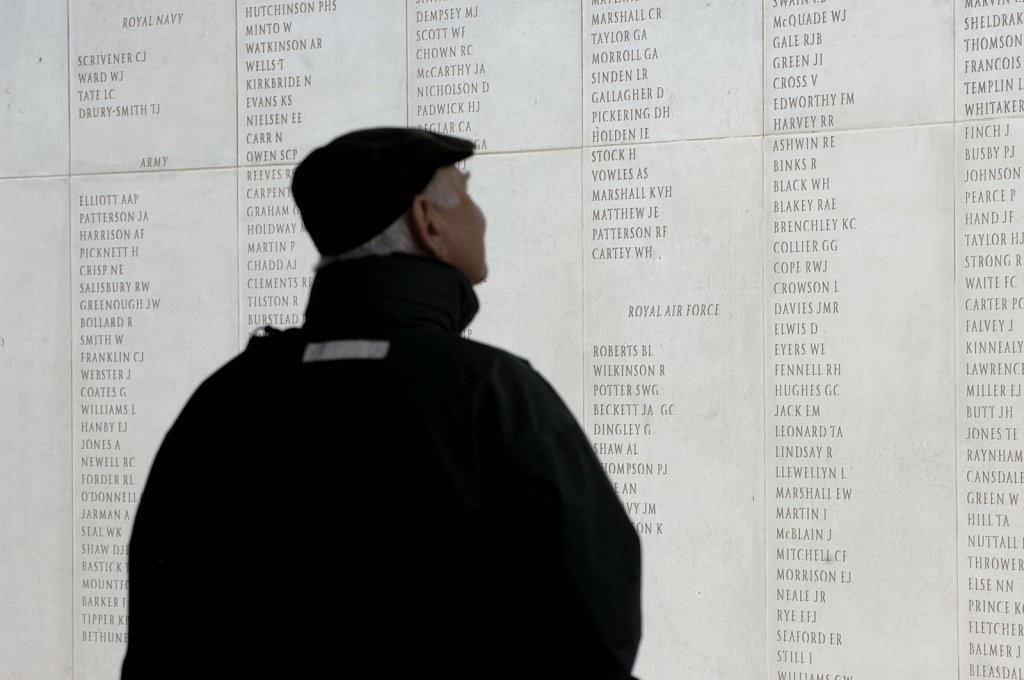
<point x="769" y="253"/>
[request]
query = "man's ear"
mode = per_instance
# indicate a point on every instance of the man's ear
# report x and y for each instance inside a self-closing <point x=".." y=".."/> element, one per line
<point x="422" y="215"/>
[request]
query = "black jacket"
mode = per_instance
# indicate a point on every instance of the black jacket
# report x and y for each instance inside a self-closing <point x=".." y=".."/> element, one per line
<point x="415" y="506"/>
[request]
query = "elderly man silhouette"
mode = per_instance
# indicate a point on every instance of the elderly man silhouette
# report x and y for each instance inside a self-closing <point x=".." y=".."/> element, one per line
<point x="372" y="495"/>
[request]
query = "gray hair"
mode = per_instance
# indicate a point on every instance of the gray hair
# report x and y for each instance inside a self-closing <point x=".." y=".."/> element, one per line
<point x="398" y="237"/>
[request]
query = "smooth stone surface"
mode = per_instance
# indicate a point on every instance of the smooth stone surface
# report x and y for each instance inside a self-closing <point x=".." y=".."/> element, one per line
<point x="842" y="65"/>
<point x="530" y="303"/>
<point x="34" y="88"/>
<point x="151" y="88"/>
<point x="305" y="77"/>
<point x="35" y="418"/>
<point x="506" y="75"/>
<point x="863" y="442"/>
<point x="153" y="259"/>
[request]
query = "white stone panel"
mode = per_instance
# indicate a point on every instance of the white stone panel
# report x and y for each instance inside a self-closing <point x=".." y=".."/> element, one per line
<point x="34" y="88"/>
<point x="989" y="349"/>
<point x="310" y="71"/>
<point x="506" y="75"/>
<point x="35" y="419"/>
<point x="865" y="64"/>
<point x="673" y="387"/>
<point x="152" y="87"/>
<point x="859" y="437"/>
<point x="530" y="303"/>
<point x="664" y="71"/>
<point x="153" y="312"/>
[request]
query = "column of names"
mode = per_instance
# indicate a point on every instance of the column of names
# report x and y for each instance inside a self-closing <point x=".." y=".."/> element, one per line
<point x="151" y="90"/>
<point x="990" y="351"/>
<point x="449" y="83"/>
<point x="990" y="64"/>
<point x="809" y="485"/>
<point x="990" y="267"/>
<point x="626" y="214"/>
<point x="281" y="46"/>
<point x="809" y="478"/>
<point x="276" y="41"/>
<point x="273" y="262"/>
<point x="626" y="229"/>
<point x="113" y="300"/>
<point x="627" y="92"/>
<point x="798" y="98"/>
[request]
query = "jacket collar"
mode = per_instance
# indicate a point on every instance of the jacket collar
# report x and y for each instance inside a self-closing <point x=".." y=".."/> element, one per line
<point x="383" y="295"/>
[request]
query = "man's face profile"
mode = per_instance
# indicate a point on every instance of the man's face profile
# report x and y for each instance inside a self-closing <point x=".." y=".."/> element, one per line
<point x="451" y="226"/>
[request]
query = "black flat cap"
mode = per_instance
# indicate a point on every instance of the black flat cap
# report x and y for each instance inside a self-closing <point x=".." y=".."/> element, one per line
<point x="352" y="189"/>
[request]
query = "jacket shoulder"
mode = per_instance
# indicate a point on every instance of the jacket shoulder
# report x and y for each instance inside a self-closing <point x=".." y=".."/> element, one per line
<point x="257" y="370"/>
<point x="495" y="358"/>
